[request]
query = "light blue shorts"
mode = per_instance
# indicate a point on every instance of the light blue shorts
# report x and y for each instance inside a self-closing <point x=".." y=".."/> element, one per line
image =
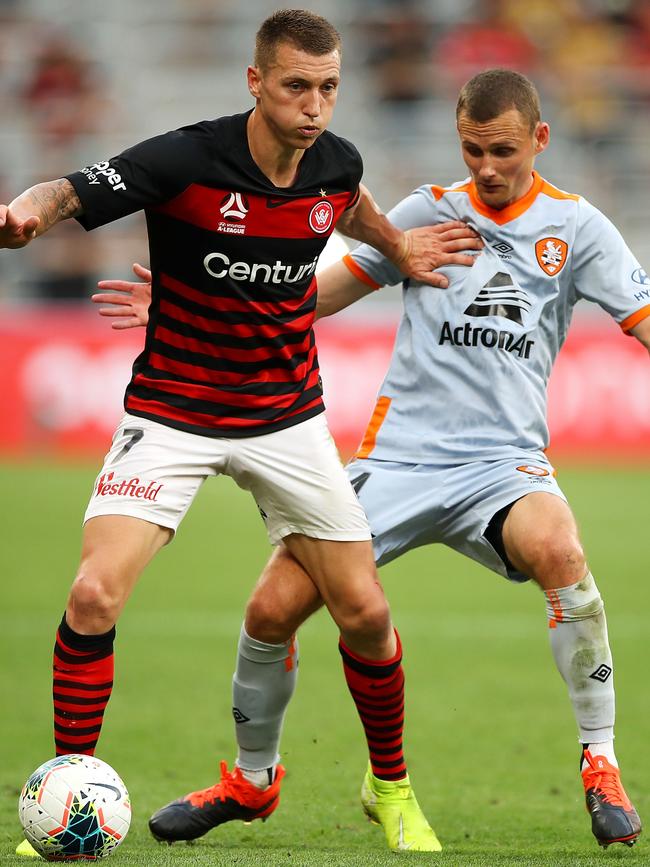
<point x="409" y="505"/>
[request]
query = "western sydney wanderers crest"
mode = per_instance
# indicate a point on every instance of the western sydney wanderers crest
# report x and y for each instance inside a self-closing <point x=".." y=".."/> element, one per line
<point x="551" y="255"/>
<point x="321" y="217"/>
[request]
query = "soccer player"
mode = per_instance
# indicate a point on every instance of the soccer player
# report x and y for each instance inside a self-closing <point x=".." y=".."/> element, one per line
<point x="238" y="210"/>
<point x="455" y="450"/>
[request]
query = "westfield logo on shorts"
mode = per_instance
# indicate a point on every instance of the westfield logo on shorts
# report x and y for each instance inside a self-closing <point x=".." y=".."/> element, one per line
<point x="106" y="487"/>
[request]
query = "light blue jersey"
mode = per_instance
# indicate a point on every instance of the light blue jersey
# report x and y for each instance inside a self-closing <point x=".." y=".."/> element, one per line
<point x="470" y="368"/>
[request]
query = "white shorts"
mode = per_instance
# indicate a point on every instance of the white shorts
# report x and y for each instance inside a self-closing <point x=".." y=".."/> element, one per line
<point x="411" y="505"/>
<point x="295" y="475"/>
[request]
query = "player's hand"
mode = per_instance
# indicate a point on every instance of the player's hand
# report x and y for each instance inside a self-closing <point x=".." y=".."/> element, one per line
<point x="433" y="247"/>
<point x="132" y="299"/>
<point x="16" y="232"/>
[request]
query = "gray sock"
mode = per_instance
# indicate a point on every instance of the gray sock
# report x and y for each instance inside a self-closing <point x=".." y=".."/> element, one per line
<point x="262" y="686"/>
<point x="578" y="633"/>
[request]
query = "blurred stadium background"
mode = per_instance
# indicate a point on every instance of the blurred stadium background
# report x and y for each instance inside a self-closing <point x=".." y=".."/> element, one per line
<point x="80" y="80"/>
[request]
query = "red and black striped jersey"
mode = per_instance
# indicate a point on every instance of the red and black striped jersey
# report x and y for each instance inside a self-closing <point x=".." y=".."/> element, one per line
<point x="229" y="348"/>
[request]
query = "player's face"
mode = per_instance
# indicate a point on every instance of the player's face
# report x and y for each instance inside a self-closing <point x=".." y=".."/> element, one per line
<point x="500" y="155"/>
<point x="296" y="95"/>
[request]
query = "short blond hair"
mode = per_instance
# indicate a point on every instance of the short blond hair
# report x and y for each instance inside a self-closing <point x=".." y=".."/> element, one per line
<point x="494" y="91"/>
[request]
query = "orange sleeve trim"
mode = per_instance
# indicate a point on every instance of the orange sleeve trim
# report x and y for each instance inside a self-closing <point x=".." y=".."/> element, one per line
<point x="378" y="416"/>
<point x="359" y="273"/>
<point x="635" y="318"/>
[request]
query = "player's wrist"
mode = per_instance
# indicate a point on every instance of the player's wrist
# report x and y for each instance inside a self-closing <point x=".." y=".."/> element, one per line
<point x="404" y="248"/>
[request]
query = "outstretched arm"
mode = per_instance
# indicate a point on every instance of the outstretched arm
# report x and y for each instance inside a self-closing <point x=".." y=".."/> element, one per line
<point x="416" y="252"/>
<point x="337" y="289"/>
<point x="35" y="211"/>
<point x="131" y="300"/>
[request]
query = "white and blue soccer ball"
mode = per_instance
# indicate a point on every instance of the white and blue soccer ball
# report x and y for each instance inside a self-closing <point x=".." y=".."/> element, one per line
<point x="74" y="808"/>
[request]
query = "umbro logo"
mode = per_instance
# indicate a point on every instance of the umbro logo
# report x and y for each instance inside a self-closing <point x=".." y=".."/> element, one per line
<point x="504" y="250"/>
<point x="602" y="673"/>
<point x="500" y="297"/>
<point x="239" y="717"/>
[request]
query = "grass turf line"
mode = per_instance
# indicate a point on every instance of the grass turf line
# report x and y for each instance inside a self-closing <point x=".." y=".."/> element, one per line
<point x="490" y="738"/>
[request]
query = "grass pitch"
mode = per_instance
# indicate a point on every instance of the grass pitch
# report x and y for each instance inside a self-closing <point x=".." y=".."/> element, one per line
<point x="490" y="737"/>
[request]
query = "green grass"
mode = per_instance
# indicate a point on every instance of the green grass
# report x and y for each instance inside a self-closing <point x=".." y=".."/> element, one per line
<point x="491" y="740"/>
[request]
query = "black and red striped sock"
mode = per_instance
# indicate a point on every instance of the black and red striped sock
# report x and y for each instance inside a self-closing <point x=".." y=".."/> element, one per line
<point x="82" y="685"/>
<point x="378" y="692"/>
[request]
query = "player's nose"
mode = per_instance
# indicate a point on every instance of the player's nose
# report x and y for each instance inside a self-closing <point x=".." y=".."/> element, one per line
<point x="311" y="106"/>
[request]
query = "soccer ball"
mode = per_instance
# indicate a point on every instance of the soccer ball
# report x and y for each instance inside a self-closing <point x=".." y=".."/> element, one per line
<point x="74" y="808"/>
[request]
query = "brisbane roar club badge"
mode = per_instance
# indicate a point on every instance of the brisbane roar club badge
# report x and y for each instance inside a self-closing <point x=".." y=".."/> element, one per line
<point x="551" y="255"/>
<point x="321" y="217"/>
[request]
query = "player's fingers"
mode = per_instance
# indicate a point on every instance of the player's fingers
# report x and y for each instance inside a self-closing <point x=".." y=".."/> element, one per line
<point x="432" y="279"/>
<point x="457" y="227"/>
<point x="3" y="215"/>
<point x="453" y="234"/>
<point x="117" y="286"/>
<point x="440" y="228"/>
<point x="115" y="311"/>
<point x="462" y="244"/>
<point x="459" y="259"/>
<point x="30" y="225"/>
<point x="107" y="298"/>
<point x="123" y="324"/>
<point x="142" y="272"/>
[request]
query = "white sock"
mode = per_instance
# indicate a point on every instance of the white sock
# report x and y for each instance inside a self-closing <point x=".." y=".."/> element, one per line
<point x="260" y="779"/>
<point x="604" y="748"/>
<point x="578" y="634"/>
<point x="264" y="681"/>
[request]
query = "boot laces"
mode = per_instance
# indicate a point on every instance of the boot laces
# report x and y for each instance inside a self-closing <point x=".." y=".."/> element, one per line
<point x="229" y="786"/>
<point x="606" y="782"/>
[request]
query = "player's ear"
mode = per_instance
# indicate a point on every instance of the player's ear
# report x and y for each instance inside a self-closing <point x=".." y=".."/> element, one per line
<point x="542" y="136"/>
<point x="254" y="78"/>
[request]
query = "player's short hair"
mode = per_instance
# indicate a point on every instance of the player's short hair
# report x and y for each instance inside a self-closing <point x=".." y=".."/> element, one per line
<point x="494" y="91"/>
<point x="305" y="30"/>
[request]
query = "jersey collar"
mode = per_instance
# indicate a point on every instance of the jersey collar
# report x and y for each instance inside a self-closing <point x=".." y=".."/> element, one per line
<point x="511" y="212"/>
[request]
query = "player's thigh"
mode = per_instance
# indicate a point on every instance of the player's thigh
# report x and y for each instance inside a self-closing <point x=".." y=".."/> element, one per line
<point x="115" y="550"/>
<point x="480" y="497"/>
<point x="152" y="472"/>
<point x="299" y="484"/>
<point x="540" y="537"/>
<point x="344" y="573"/>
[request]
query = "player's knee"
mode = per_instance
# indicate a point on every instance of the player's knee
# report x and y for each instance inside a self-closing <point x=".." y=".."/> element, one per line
<point x="95" y="598"/>
<point x="266" y="622"/>
<point x="369" y="620"/>
<point x="556" y="557"/>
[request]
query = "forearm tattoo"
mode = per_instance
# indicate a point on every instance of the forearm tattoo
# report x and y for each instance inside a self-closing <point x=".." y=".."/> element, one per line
<point x="53" y="201"/>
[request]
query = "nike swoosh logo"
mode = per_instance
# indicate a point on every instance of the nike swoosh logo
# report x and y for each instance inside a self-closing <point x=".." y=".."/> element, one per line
<point x="401" y="843"/>
<point x="114" y="789"/>
<point x="275" y="203"/>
